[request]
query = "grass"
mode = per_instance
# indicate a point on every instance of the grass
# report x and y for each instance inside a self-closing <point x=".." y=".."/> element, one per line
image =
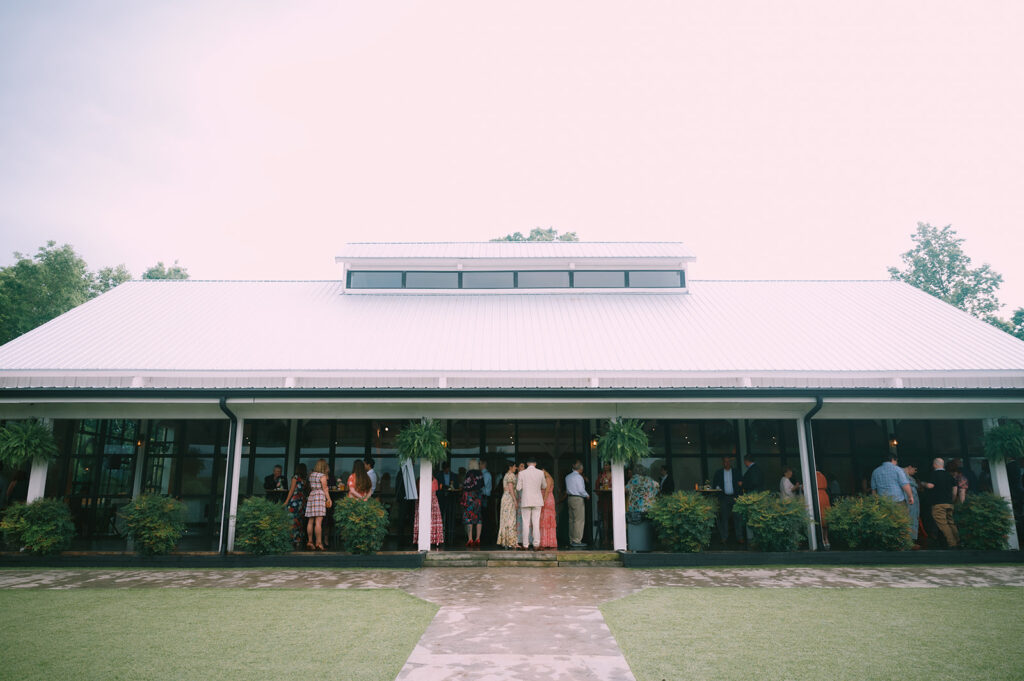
<point x="203" y="634"/>
<point x="909" y="634"/>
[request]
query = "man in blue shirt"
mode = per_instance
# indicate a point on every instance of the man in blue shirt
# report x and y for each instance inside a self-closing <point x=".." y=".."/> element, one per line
<point x="485" y="494"/>
<point x="889" y="480"/>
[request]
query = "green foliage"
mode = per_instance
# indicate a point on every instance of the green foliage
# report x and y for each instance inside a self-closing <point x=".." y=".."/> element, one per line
<point x="623" y="442"/>
<point x="43" y="527"/>
<point x="158" y="271"/>
<point x="263" y="527"/>
<point x="684" y="520"/>
<point x="363" y="524"/>
<point x="422" y="440"/>
<point x="938" y="265"/>
<point x="984" y="521"/>
<point x="1004" y="442"/>
<point x="870" y="522"/>
<point x="777" y="524"/>
<point x="155" y="522"/>
<point x="539" y="234"/>
<point x="22" y="442"/>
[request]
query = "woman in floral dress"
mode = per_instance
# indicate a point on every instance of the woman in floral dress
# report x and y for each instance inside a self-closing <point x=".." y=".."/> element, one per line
<point x="640" y="491"/>
<point x="295" y="502"/>
<point x="472" y="503"/>
<point x="548" y="524"/>
<point x="508" y="526"/>
<point x="436" y="523"/>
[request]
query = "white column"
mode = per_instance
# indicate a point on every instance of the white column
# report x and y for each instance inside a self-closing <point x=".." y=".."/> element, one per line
<point x="423" y="505"/>
<point x="37" y="474"/>
<point x="235" y="476"/>
<point x="810" y="481"/>
<point x="618" y="508"/>
<point x="1001" y="486"/>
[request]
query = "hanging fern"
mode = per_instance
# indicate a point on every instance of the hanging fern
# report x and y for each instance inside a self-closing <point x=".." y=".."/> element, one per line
<point x="624" y="442"/>
<point x="22" y="442"/>
<point x="422" y="440"/>
<point x="1004" y="442"/>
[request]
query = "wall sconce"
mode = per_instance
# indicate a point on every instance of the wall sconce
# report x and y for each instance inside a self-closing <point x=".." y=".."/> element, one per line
<point x="593" y="442"/>
<point x="893" y="441"/>
<point x="444" y="443"/>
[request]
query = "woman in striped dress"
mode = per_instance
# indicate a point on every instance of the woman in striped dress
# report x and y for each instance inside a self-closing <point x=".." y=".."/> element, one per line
<point x="436" y="524"/>
<point x="317" y="503"/>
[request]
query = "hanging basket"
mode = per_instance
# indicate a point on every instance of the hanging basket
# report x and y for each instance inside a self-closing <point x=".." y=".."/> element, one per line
<point x="623" y="442"/>
<point x="22" y="442"/>
<point x="422" y="440"/>
<point x="1004" y="442"/>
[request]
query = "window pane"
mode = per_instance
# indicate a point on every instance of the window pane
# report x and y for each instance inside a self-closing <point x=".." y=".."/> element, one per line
<point x="375" y="280"/>
<point x="945" y="438"/>
<point x="686" y="472"/>
<point x="487" y="280"/>
<point x="831" y="438"/>
<point x="649" y="279"/>
<point x="431" y="279"/>
<point x="721" y="437"/>
<point x="315" y="438"/>
<point x="499" y="438"/>
<point x="764" y="437"/>
<point x="543" y="280"/>
<point x="196" y="475"/>
<point x="350" y="438"/>
<point x="655" y="436"/>
<point x="685" y="439"/>
<point x="465" y="438"/>
<point x="599" y="280"/>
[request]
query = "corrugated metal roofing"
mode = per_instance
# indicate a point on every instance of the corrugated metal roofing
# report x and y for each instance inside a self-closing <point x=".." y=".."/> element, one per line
<point x="515" y="250"/>
<point x="307" y="334"/>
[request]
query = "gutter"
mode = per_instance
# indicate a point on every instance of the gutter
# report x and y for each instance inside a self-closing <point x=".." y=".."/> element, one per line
<point x="808" y="437"/>
<point x="228" y="477"/>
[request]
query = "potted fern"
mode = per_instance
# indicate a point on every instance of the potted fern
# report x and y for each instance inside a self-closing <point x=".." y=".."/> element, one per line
<point x="623" y="442"/>
<point x="1005" y="441"/>
<point x="423" y="440"/>
<point x="25" y="442"/>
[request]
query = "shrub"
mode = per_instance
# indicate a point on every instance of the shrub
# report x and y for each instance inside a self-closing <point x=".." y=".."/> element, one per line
<point x="362" y="524"/>
<point x="776" y="524"/>
<point x="42" y="527"/>
<point x="984" y="521"/>
<point x="684" y="520"/>
<point x="155" y="522"/>
<point x="263" y="527"/>
<point x="869" y="522"/>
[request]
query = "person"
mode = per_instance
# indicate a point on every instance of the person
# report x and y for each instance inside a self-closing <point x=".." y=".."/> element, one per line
<point x="577" y="491"/>
<point x="317" y="503"/>
<point x="508" y="525"/>
<point x="666" y="484"/>
<point x="273" y="485"/>
<point x="485" y="498"/>
<point x="519" y="508"/>
<point x="604" y="503"/>
<point x="889" y="480"/>
<point x="961" y="481"/>
<point x="548" y="520"/>
<point x="530" y="485"/>
<point x="942" y="494"/>
<point x="436" y="524"/>
<point x="914" y="506"/>
<point x="368" y="464"/>
<point x="753" y="479"/>
<point x="472" y="505"/>
<point x="824" y="503"/>
<point x="359" y="485"/>
<point x="787" y="488"/>
<point x="640" y="490"/>
<point x="386" y="490"/>
<point x="726" y="479"/>
<point x="295" y="502"/>
<point x="446" y="497"/>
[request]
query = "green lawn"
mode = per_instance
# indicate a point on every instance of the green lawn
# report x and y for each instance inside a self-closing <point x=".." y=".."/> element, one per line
<point x="818" y="634"/>
<point x="208" y="634"/>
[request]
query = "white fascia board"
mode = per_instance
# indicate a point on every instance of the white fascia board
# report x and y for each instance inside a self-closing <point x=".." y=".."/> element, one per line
<point x="525" y="263"/>
<point x="922" y="408"/>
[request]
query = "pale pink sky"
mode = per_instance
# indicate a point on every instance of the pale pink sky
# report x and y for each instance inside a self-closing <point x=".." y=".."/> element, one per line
<point x="251" y="140"/>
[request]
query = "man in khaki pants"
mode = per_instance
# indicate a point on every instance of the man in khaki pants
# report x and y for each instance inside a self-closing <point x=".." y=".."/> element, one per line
<point x="941" y="493"/>
<point x="530" y="484"/>
<point x="577" y="491"/>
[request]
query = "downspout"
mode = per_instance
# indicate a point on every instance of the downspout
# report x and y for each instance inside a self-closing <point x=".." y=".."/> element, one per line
<point x="228" y="475"/>
<point x="818" y="403"/>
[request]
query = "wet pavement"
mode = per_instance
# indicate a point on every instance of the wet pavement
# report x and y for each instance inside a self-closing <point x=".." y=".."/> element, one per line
<point x="516" y="623"/>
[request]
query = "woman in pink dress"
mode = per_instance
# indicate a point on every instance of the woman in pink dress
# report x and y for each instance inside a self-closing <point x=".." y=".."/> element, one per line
<point x="548" y="533"/>
<point x="436" y="524"/>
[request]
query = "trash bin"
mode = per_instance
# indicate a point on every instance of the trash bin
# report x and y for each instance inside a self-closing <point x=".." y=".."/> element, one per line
<point x="639" y="532"/>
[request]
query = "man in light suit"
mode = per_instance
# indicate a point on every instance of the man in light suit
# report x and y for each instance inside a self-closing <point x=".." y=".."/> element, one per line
<point x="530" y="486"/>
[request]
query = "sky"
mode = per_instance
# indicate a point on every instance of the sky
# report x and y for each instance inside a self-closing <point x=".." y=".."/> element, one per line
<point x="778" y="140"/>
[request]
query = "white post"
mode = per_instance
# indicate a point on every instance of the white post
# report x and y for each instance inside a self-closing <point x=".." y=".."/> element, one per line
<point x="810" y="481"/>
<point x="37" y="474"/>
<point x="423" y="505"/>
<point x="1001" y="486"/>
<point x="618" y="508"/>
<point x="235" y="476"/>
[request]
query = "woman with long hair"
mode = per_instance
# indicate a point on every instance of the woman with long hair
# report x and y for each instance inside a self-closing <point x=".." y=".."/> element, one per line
<point x="436" y="522"/>
<point x="508" y="526"/>
<point x="472" y="503"/>
<point x="548" y="523"/>
<point x="359" y="485"/>
<point x="317" y="503"/>
<point x="295" y="502"/>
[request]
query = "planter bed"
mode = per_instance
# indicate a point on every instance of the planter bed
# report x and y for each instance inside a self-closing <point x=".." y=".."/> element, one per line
<point x="752" y="558"/>
<point x="82" y="559"/>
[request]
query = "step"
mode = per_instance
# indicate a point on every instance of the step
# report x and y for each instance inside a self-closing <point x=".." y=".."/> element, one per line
<point x="589" y="557"/>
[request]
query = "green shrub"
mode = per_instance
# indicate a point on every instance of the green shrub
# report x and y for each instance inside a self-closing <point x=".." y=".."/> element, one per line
<point x="154" y="522"/>
<point x="776" y="524"/>
<point x="263" y="527"/>
<point x="42" y="527"/>
<point x="869" y="522"/>
<point x="362" y="524"/>
<point x="684" y="521"/>
<point x="984" y="521"/>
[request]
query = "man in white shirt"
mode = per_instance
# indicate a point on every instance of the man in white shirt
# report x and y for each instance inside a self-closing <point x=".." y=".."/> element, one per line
<point x="368" y="462"/>
<point x="577" y="491"/>
<point x="727" y="479"/>
<point x="530" y="486"/>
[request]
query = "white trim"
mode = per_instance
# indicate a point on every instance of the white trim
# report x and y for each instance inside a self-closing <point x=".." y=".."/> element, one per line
<point x="1001" y="486"/>
<point x="423" y="505"/>
<point x="235" y="478"/>
<point x="810" y="481"/>
<point x="618" y="508"/>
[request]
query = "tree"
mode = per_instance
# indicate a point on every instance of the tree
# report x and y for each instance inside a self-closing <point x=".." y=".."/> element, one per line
<point x="539" y="234"/>
<point x="158" y="271"/>
<point x="1014" y="325"/>
<point x="107" y="278"/>
<point x="938" y="265"/>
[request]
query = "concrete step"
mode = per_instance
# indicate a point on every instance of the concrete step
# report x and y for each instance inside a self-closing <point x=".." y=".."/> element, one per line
<point x="505" y="558"/>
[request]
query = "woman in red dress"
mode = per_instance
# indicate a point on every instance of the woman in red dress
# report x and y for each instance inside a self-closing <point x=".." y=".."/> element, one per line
<point x="548" y="527"/>
<point x="436" y="524"/>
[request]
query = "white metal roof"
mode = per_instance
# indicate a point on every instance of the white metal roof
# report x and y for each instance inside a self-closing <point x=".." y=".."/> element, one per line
<point x="309" y="335"/>
<point x="514" y="250"/>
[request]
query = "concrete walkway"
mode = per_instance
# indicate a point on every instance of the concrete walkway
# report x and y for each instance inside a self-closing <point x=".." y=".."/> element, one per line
<point x="517" y="623"/>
